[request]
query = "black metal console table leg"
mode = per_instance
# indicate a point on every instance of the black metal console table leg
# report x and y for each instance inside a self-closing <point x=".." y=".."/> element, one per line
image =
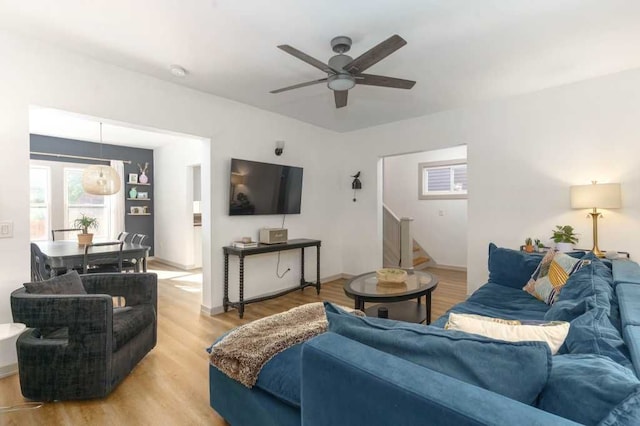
<point x="241" y="302"/>
<point x="302" y="280"/>
<point x="225" y="300"/>
<point x="428" y="303"/>
<point x="318" y="270"/>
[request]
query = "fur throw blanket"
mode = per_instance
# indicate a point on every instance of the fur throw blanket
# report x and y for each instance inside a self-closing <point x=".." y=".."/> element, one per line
<point x="243" y="352"/>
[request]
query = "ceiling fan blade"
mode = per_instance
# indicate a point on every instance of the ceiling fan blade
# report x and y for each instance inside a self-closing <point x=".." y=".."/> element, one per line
<point x="384" y="81"/>
<point x="308" y="59"/>
<point x="375" y="54"/>
<point x="340" y="97"/>
<point x="297" y="86"/>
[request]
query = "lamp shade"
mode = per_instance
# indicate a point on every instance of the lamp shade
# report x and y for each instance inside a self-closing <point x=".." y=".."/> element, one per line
<point x="100" y="180"/>
<point x="596" y="195"/>
<point x="237" y="178"/>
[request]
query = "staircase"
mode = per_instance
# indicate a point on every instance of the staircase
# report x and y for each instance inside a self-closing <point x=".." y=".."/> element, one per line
<point x="399" y="247"/>
<point x="421" y="258"/>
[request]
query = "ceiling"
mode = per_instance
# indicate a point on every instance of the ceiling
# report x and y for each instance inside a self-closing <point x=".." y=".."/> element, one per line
<point x="459" y="51"/>
<point x="62" y="124"/>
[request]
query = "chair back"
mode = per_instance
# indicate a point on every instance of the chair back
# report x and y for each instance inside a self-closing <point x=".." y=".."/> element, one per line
<point x="103" y="258"/>
<point x="53" y="232"/>
<point x="138" y="239"/>
<point x="123" y="236"/>
<point x="39" y="271"/>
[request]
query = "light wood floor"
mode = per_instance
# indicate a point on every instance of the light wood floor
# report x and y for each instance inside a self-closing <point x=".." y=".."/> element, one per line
<point x="170" y="385"/>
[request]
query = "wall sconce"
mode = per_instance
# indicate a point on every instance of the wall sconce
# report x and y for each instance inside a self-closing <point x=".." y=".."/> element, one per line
<point x="279" y="147"/>
<point x="356" y="185"/>
<point x="595" y="196"/>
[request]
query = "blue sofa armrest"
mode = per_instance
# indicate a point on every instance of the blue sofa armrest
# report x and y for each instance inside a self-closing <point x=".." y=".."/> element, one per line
<point x="346" y="382"/>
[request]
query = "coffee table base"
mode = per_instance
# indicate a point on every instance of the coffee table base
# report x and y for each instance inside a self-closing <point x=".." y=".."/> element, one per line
<point x="409" y="311"/>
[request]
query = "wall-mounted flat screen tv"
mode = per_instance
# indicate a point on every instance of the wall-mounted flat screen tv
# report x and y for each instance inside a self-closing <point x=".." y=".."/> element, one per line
<point x="264" y="188"/>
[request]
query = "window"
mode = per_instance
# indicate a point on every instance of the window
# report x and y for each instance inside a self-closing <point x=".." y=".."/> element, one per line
<point x="78" y="202"/>
<point x="442" y="180"/>
<point x="39" y="203"/>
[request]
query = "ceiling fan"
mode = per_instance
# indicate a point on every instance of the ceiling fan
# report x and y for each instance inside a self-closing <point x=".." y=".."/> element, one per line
<point x="344" y="72"/>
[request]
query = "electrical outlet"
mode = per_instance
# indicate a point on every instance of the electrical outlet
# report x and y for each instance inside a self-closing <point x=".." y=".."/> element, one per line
<point x="440" y="212"/>
<point x="6" y="229"/>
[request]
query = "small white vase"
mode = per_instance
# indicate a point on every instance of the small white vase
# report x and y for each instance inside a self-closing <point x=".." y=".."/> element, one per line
<point x="564" y="247"/>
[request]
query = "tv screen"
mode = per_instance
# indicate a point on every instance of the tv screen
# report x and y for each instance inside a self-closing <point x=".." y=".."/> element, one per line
<point x="264" y="188"/>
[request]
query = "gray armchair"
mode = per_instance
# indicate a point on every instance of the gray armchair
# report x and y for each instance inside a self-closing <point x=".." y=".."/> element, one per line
<point x="78" y="346"/>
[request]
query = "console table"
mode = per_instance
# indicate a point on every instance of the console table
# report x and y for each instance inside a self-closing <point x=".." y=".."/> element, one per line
<point x="267" y="248"/>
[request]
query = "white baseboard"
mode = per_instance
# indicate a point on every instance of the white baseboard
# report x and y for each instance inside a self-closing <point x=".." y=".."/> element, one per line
<point x="211" y="311"/>
<point x="175" y="264"/>
<point x="8" y="370"/>
<point x="335" y="277"/>
<point x="449" y="267"/>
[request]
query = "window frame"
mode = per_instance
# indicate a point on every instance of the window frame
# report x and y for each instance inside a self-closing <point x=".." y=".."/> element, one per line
<point x="106" y="204"/>
<point x="444" y="195"/>
<point x="46" y="205"/>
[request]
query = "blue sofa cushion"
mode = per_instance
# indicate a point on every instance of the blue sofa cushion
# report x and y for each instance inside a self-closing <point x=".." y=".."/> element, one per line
<point x="592" y="390"/>
<point x="593" y="333"/>
<point x="631" y="335"/>
<point x="511" y="268"/>
<point x="588" y="288"/>
<point x="629" y="296"/>
<point x="626" y="272"/>
<point x="497" y="301"/>
<point x="280" y="376"/>
<point x="477" y="360"/>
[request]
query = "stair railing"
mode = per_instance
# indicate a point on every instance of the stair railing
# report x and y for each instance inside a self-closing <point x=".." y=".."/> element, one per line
<point x="398" y="242"/>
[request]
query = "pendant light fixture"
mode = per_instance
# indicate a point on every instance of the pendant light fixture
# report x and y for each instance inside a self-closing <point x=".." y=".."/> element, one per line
<point x="99" y="179"/>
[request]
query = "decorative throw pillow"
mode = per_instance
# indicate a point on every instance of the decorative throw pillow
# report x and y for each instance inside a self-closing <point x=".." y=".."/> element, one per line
<point x="69" y="283"/>
<point x="552" y="333"/>
<point x="591" y="390"/>
<point x="551" y="275"/>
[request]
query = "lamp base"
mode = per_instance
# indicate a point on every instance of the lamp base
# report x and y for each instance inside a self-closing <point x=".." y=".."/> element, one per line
<point x="594" y="216"/>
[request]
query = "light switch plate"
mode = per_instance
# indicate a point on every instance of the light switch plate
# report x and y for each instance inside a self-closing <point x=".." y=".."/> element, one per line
<point x="6" y="229"/>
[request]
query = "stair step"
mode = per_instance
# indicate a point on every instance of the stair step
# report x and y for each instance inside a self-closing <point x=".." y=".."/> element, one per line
<point x="416" y="248"/>
<point x="420" y="260"/>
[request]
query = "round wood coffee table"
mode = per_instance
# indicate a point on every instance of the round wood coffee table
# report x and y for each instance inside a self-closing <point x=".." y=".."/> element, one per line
<point x="395" y="297"/>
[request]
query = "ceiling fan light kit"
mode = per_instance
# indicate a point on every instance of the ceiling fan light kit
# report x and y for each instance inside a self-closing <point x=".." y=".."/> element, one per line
<point x="344" y="72"/>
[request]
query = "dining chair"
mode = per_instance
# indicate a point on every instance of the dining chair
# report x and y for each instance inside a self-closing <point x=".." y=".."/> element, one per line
<point x="39" y="271"/>
<point x="138" y="238"/>
<point x="53" y="232"/>
<point x="123" y="236"/>
<point x="132" y="264"/>
<point x="102" y="261"/>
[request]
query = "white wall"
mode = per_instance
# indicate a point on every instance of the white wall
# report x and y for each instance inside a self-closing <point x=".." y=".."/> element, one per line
<point x="443" y="237"/>
<point x="44" y="75"/>
<point x="523" y="154"/>
<point x="174" y="190"/>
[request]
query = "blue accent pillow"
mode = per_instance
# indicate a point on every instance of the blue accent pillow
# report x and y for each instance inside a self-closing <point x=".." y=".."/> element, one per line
<point x="591" y="390"/>
<point x="511" y="268"/>
<point x="477" y="360"/>
<point x="589" y="287"/>
<point x="593" y="333"/>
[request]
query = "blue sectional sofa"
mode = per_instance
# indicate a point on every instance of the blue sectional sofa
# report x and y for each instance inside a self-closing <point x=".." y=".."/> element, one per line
<point x="382" y="372"/>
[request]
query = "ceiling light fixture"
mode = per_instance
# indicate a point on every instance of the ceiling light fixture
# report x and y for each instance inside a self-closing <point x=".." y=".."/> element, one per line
<point x="100" y="179"/>
<point x="341" y="82"/>
<point x="178" y="71"/>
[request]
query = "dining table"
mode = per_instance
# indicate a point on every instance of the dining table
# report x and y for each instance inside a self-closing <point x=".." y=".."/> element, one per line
<point x="64" y="255"/>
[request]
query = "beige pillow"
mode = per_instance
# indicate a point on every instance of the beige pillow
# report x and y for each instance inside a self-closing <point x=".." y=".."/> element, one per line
<point x="553" y="333"/>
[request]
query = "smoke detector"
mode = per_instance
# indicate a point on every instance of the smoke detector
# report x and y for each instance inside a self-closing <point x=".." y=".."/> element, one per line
<point x="178" y="71"/>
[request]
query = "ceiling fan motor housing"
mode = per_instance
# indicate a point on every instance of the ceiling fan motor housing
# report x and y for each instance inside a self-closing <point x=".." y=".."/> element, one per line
<point x="341" y="44"/>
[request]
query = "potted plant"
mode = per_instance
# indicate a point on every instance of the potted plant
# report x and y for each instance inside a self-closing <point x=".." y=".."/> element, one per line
<point x="85" y="222"/>
<point x="537" y="245"/>
<point x="564" y="237"/>
<point x="528" y="245"/>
